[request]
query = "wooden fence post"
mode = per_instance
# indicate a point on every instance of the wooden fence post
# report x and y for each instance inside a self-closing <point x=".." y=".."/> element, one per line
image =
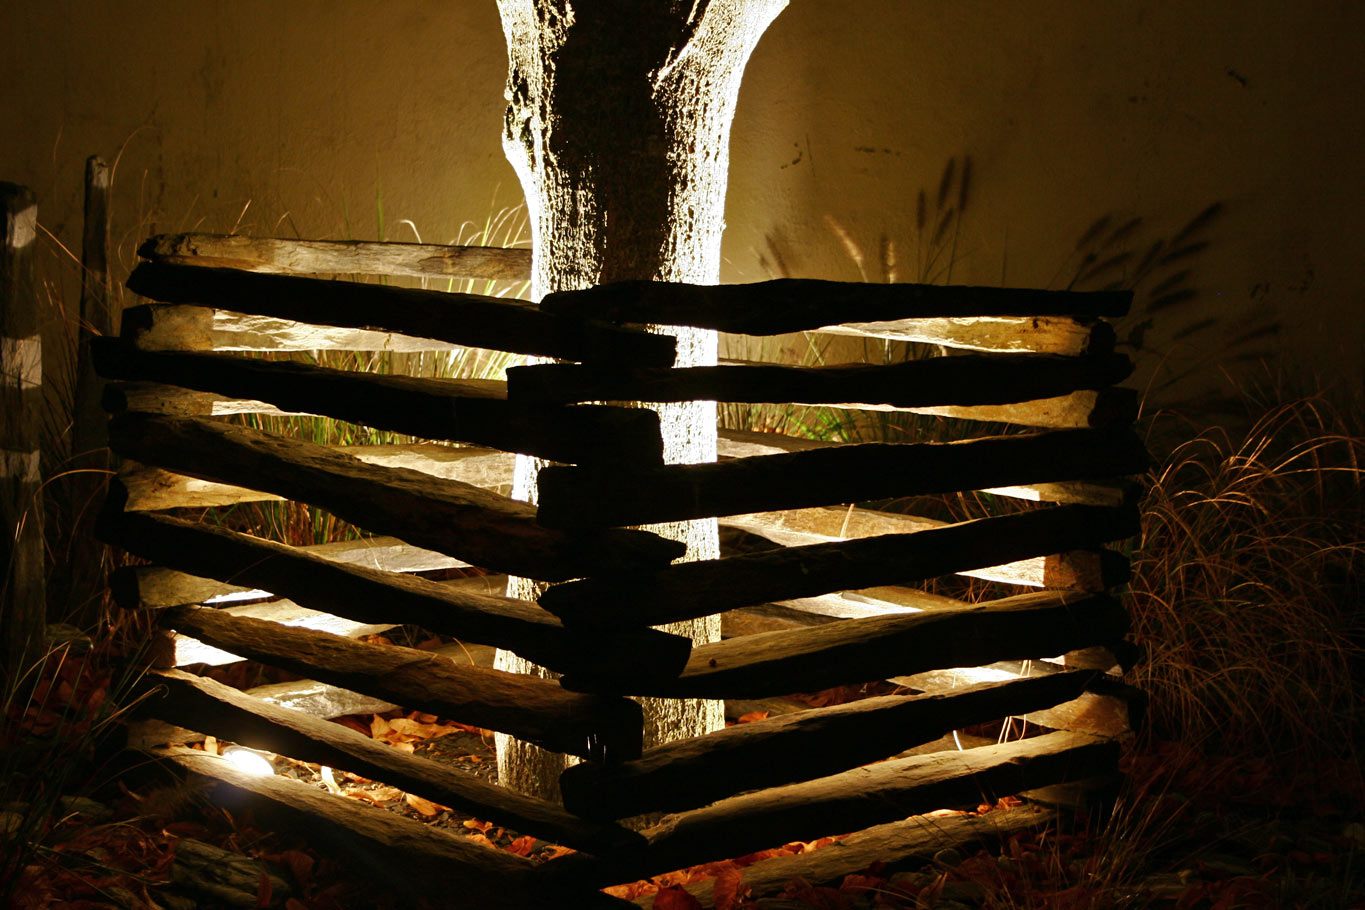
<point x="89" y="435"/>
<point x="23" y="606"/>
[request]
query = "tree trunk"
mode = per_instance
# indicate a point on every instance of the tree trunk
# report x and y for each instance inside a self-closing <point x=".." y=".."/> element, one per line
<point x="618" y="126"/>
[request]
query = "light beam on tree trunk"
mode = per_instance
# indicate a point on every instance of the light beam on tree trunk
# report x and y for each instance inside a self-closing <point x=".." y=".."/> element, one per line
<point x="618" y="126"/>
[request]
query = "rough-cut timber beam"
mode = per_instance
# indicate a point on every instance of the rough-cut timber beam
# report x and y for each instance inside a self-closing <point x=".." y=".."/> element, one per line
<point x="845" y="802"/>
<point x="801" y="305"/>
<point x="971" y="379"/>
<point x="186" y="327"/>
<point x="465" y="319"/>
<point x="173" y="401"/>
<point x="702" y="588"/>
<point x="587" y="497"/>
<point x="1003" y="334"/>
<point x="337" y="257"/>
<point x="530" y="708"/>
<point x="467" y="410"/>
<point x="372" y="596"/>
<point x="454" y="518"/>
<point x="918" y="838"/>
<point x="1042" y="624"/>
<point x="795" y="747"/>
<point x="211" y="707"/>
<point x="376" y="842"/>
<point x="745" y="444"/>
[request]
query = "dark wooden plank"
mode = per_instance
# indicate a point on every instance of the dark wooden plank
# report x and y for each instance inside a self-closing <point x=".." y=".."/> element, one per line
<point x="688" y="590"/>
<point x="374" y="596"/>
<point x="845" y="802"/>
<point x="1005" y="334"/>
<point x="465" y="410"/>
<point x="583" y="497"/>
<point x="23" y="577"/>
<point x="529" y="708"/>
<point x="801" y="305"/>
<point x="1035" y="625"/>
<point x="794" y="747"/>
<point x="444" y="515"/>
<point x="376" y="842"/>
<point x="283" y="256"/>
<point x="914" y="840"/>
<point x="972" y="379"/>
<point x="466" y="319"/>
<point x="211" y="707"/>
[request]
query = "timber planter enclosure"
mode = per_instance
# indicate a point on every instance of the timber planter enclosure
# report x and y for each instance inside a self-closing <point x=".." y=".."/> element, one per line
<point x="815" y="590"/>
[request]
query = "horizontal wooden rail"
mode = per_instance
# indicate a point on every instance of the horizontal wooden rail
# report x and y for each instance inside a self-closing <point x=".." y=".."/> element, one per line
<point x="844" y="802"/>
<point x="692" y="589"/>
<point x="444" y="515"/>
<point x="991" y="334"/>
<point x="527" y="707"/>
<point x="211" y="707"/>
<point x="587" y="497"/>
<point x="465" y="410"/>
<point x="373" y="596"/>
<point x="465" y="319"/>
<point x="971" y="379"/>
<point x="1041" y="624"/>
<point x="801" y="746"/>
<point x="799" y="304"/>
<point x="285" y="256"/>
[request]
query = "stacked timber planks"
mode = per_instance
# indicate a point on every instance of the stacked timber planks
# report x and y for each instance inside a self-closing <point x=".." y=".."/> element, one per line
<point x="816" y="585"/>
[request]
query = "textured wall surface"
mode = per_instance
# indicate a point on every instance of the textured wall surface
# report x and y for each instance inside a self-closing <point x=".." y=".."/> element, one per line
<point x="308" y="117"/>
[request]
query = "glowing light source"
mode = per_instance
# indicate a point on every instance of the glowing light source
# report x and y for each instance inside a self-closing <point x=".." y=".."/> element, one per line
<point x="249" y="761"/>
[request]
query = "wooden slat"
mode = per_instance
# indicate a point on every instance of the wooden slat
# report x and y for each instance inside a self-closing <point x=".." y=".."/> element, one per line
<point x="444" y="515"/>
<point x="584" y="497"/>
<point x="692" y="589"/>
<point x="211" y="707"/>
<point x="787" y="305"/>
<point x="185" y="327"/>
<point x="371" y="596"/>
<point x="795" y="747"/>
<point x="1041" y="624"/>
<point x="967" y="380"/>
<point x="844" y="802"/>
<point x="284" y="256"/>
<point x="918" y="838"/>
<point x="375" y="842"/>
<point x="529" y="708"/>
<point x="1004" y="334"/>
<point x="465" y="319"/>
<point x="465" y="410"/>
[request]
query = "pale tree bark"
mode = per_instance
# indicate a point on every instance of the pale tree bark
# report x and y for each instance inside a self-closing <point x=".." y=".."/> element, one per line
<point x="618" y="126"/>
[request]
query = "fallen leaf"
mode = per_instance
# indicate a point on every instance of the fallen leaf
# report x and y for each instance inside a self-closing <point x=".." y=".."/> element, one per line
<point x="379" y="727"/>
<point x="476" y="825"/>
<point x="728" y="889"/>
<point x="751" y="717"/>
<point x="675" y="898"/>
<point x="522" y="846"/>
<point x="424" y="806"/>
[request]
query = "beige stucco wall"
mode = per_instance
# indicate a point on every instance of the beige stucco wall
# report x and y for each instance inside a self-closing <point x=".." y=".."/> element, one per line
<point x="317" y="113"/>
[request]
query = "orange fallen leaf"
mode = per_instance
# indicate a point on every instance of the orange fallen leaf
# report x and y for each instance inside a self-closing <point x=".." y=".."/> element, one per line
<point x="522" y="846"/>
<point x="728" y="889"/>
<point x="424" y="806"/>
<point x="477" y="825"/>
<point x="379" y="727"/>
<point x="751" y="717"/>
<point x="675" y="898"/>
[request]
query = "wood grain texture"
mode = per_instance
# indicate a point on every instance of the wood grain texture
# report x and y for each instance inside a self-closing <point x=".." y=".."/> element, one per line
<point x="465" y="319"/>
<point x="1036" y="625"/>
<point x="443" y="515"/>
<point x="1064" y="335"/>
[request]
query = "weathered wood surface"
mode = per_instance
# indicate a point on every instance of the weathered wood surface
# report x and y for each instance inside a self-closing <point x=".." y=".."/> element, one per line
<point x="444" y="515"/>
<point x="367" y="595"/>
<point x="844" y="802"/>
<point x="173" y="401"/>
<point x="23" y="609"/>
<point x="186" y="327"/>
<point x="88" y="425"/>
<point x="795" y="747"/>
<point x="465" y="410"/>
<point x="221" y="877"/>
<point x="530" y="708"/>
<point x="584" y="497"/>
<point x="858" y="650"/>
<point x="377" y="842"/>
<point x="182" y="651"/>
<point x="337" y="257"/>
<point x="1005" y="334"/>
<point x="918" y="838"/>
<point x="786" y="305"/>
<point x="211" y="707"/>
<point x="966" y="380"/>
<point x="465" y="319"/>
<point x="152" y="488"/>
<point x="733" y="444"/>
<point x="701" y="588"/>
